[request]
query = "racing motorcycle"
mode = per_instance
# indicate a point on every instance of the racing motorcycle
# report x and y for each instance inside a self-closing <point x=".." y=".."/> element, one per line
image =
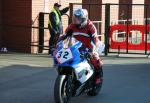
<point x="75" y="73"/>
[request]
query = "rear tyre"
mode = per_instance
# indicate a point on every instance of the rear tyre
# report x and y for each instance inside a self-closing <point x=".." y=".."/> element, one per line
<point x="96" y="87"/>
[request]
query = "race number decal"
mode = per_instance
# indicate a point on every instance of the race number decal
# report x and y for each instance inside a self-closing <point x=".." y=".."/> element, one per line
<point x="64" y="55"/>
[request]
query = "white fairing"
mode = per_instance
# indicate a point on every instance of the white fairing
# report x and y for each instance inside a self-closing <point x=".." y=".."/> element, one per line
<point x="100" y="47"/>
<point x="83" y="72"/>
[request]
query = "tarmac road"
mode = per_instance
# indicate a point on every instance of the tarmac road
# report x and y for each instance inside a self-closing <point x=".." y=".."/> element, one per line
<point x="30" y="79"/>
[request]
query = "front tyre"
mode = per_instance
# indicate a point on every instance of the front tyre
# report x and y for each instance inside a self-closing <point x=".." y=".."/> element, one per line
<point x="61" y="90"/>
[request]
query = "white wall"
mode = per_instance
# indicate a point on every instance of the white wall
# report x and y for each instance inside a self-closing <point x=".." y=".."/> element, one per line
<point x="138" y="12"/>
<point x="46" y="6"/>
<point x="113" y="12"/>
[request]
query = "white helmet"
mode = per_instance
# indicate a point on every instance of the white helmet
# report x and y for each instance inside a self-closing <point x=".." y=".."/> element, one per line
<point x="81" y="14"/>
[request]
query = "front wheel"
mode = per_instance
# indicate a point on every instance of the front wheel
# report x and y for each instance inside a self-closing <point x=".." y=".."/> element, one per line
<point x="96" y="87"/>
<point x="62" y="90"/>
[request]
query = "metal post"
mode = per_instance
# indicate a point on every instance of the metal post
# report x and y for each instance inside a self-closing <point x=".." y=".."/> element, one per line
<point x="107" y="25"/>
<point x="146" y="31"/>
<point x="41" y="32"/>
<point x="71" y="12"/>
<point x="127" y="36"/>
<point x="89" y="11"/>
<point x="118" y="50"/>
<point x="98" y="26"/>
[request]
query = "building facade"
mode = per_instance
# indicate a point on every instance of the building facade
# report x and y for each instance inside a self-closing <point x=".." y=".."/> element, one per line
<point x="18" y="16"/>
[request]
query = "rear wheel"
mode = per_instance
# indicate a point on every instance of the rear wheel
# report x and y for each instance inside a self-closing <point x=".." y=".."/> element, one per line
<point x="62" y="90"/>
<point x="96" y="87"/>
